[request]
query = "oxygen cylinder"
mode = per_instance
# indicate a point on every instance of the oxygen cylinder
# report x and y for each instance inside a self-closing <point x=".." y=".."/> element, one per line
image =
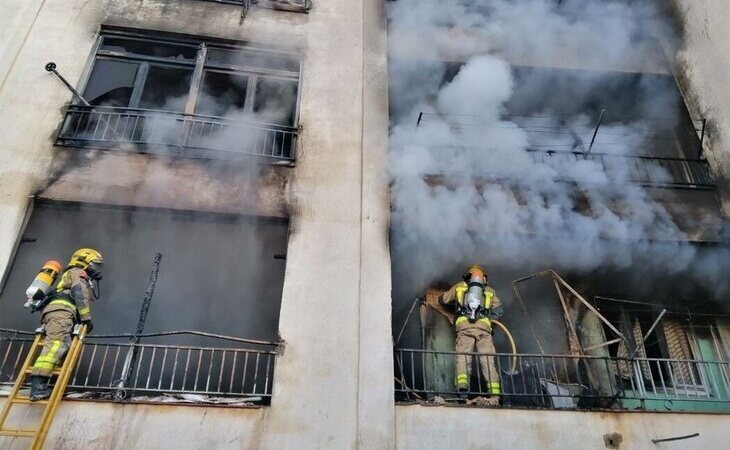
<point x="42" y="284"/>
<point x="475" y="295"/>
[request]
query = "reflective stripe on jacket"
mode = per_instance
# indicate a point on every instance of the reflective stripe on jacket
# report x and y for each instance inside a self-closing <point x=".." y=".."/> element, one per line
<point x="462" y="289"/>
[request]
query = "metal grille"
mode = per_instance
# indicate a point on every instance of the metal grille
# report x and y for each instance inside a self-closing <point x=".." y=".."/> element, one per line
<point x="159" y="369"/>
<point x="291" y="5"/>
<point x="654" y="171"/>
<point x="175" y="133"/>
<point x="566" y="381"/>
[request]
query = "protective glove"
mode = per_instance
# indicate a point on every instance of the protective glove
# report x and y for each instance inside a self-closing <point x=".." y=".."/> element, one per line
<point x="496" y="312"/>
<point x="89" y="325"/>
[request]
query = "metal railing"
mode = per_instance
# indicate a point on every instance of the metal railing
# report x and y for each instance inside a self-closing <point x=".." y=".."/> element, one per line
<point x="169" y="132"/>
<point x="573" y="382"/>
<point x="288" y="5"/>
<point x="158" y="369"/>
<point x="648" y="170"/>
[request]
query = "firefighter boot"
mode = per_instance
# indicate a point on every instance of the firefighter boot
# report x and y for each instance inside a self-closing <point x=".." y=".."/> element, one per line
<point x="39" y="388"/>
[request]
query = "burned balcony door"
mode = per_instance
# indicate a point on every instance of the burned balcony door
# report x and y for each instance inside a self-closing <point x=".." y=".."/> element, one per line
<point x="438" y="336"/>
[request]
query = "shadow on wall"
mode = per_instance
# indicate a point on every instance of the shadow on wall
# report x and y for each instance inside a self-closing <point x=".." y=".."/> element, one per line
<point x="218" y="272"/>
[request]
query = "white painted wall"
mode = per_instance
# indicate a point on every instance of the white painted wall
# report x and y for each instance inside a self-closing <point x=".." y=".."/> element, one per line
<point x="471" y="428"/>
<point x="704" y="64"/>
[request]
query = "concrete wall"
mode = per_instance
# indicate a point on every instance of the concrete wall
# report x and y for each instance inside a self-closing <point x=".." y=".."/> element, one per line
<point x="333" y="384"/>
<point x="704" y="72"/>
<point x="471" y="428"/>
<point x="81" y="424"/>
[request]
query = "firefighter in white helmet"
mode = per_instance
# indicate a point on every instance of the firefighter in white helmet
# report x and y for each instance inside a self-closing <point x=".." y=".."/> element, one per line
<point x="476" y="305"/>
<point x="67" y="304"/>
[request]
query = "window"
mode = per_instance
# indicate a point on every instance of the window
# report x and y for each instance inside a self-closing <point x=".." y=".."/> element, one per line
<point x="210" y="99"/>
<point x="218" y="276"/>
<point x="151" y="74"/>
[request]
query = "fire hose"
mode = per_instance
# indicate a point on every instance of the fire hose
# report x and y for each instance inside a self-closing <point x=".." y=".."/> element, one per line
<point x="511" y="343"/>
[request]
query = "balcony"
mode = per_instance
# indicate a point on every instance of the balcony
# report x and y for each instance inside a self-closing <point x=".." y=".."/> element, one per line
<point x="229" y="375"/>
<point x="570" y="382"/>
<point x="646" y="170"/>
<point x="173" y="133"/>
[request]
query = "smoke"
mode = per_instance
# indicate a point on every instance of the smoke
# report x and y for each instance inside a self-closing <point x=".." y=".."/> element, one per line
<point x="214" y="265"/>
<point x="481" y="161"/>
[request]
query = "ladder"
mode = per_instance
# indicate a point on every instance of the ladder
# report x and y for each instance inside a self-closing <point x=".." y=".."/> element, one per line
<point x="59" y="387"/>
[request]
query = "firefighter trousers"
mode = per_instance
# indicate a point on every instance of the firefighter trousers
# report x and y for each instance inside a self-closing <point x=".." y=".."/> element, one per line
<point x="467" y="339"/>
<point x="58" y="327"/>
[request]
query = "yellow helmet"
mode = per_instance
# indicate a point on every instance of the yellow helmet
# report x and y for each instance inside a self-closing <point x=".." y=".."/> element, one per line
<point x="85" y="256"/>
<point x="478" y="269"/>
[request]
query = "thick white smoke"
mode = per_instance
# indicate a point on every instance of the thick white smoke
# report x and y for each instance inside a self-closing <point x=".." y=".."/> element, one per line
<point x="469" y="180"/>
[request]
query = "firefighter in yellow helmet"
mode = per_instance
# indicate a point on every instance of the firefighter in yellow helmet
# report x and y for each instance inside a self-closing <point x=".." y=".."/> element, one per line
<point x="67" y="304"/>
<point x="476" y="305"/>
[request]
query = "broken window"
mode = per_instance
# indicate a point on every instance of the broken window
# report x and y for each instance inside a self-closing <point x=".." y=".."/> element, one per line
<point x="151" y="73"/>
<point x="111" y="83"/>
<point x="238" y="101"/>
<point x="218" y="277"/>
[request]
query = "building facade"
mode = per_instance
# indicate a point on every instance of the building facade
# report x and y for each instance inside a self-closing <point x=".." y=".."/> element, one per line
<point x="248" y="143"/>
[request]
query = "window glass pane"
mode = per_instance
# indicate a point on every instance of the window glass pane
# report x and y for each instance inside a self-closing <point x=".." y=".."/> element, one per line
<point x="166" y="88"/>
<point x="111" y="83"/>
<point x="146" y="48"/>
<point x="275" y="101"/>
<point x="251" y="58"/>
<point x="221" y="93"/>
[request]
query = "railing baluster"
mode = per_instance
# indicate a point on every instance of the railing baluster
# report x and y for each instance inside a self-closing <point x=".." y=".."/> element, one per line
<point x="185" y="372"/>
<point x="114" y="366"/>
<point x="149" y="371"/>
<point x="651" y="378"/>
<point x="210" y="371"/>
<point x="245" y="369"/>
<point x="162" y="369"/>
<point x="220" y="375"/>
<point x="413" y="376"/>
<point x="197" y="371"/>
<point x="103" y="364"/>
<point x="256" y="372"/>
<point x="138" y="369"/>
<point x="174" y="369"/>
<point x="21" y="352"/>
<point x="233" y="371"/>
<point x="91" y="362"/>
<point x="5" y="358"/>
<point x="268" y="368"/>
<point x="661" y="378"/>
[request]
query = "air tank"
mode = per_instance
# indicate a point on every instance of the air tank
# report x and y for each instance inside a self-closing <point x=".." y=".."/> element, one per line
<point x="43" y="283"/>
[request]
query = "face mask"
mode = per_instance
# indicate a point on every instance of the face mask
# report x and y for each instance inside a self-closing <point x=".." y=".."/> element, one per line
<point x="94" y="271"/>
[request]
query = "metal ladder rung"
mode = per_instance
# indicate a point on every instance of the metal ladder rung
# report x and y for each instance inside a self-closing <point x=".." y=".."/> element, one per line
<point x="22" y="432"/>
<point x="54" y="373"/>
<point x="26" y="401"/>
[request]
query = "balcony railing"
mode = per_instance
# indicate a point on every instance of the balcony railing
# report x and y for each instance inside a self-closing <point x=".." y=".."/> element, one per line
<point x="647" y="170"/>
<point x="570" y="382"/>
<point x="165" y="132"/>
<point x="286" y="5"/>
<point x="106" y="370"/>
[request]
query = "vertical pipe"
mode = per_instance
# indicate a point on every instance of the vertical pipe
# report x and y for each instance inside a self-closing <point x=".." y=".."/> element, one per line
<point x="595" y="132"/>
<point x="132" y="355"/>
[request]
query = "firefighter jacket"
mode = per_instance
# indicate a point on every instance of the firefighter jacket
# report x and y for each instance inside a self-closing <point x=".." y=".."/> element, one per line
<point x="72" y="293"/>
<point x="456" y="294"/>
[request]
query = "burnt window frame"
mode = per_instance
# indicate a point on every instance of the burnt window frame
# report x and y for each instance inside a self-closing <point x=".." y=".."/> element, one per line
<point x="199" y="65"/>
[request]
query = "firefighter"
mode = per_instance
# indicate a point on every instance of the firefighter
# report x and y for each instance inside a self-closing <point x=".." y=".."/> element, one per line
<point x="65" y="306"/>
<point x="476" y="305"/>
